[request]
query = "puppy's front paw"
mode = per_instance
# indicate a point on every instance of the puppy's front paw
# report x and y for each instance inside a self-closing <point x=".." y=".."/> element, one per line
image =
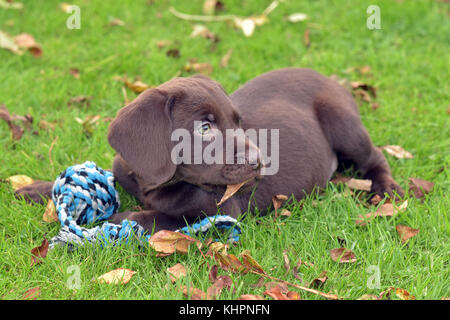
<point x="385" y="185"/>
<point x="36" y="192"/>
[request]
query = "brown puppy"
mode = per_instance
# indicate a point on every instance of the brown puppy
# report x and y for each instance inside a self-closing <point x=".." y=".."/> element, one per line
<point x="316" y="119"/>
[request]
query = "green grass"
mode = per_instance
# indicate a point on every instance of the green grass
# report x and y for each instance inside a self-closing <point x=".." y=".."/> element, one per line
<point x="410" y="68"/>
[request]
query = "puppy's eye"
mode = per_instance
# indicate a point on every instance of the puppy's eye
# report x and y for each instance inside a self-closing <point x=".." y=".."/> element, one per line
<point x="204" y="128"/>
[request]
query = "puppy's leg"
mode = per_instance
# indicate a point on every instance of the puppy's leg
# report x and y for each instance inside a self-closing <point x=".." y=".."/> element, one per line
<point x="338" y="115"/>
<point x="37" y="192"/>
<point x="126" y="178"/>
<point x="150" y="220"/>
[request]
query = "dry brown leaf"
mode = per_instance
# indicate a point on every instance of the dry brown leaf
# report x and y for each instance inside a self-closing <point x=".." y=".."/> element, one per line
<point x="320" y="280"/>
<point x="230" y="191"/>
<point x="397" y="152"/>
<point x="226" y="58"/>
<point x="406" y="232"/>
<point x="167" y="242"/>
<point x="163" y="43"/>
<point x="227" y="282"/>
<point x="173" y="53"/>
<point x="277" y="292"/>
<point x="306" y="38"/>
<point x="292" y="295"/>
<point x="215" y="289"/>
<point x="75" y="73"/>
<point x="114" y="22"/>
<point x="117" y="276"/>
<point x="285" y="213"/>
<point x="193" y="293"/>
<point x="385" y="210"/>
<point x="277" y="202"/>
<point x="200" y="67"/>
<point x="16" y="131"/>
<point x="250" y="297"/>
<point x="403" y="294"/>
<point x="176" y="272"/>
<point x="359" y="184"/>
<point x="19" y="181"/>
<point x="420" y="187"/>
<point x="50" y="212"/>
<point x="39" y="253"/>
<point x="287" y="265"/>
<point x="32" y="294"/>
<point x="27" y="41"/>
<point x="250" y="262"/>
<point x="342" y="255"/>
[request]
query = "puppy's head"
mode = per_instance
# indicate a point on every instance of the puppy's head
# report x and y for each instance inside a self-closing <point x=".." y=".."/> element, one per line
<point x="212" y="151"/>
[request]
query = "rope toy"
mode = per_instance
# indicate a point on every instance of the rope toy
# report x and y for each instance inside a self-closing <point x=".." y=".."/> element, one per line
<point x="86" y="194"/>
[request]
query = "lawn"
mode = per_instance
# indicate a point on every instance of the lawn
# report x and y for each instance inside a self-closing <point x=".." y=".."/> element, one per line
<point x="409" y="67"/>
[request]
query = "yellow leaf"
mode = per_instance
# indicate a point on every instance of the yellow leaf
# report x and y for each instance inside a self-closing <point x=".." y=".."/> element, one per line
<point x="19" y="181"/>
<point x="117" y="276"/>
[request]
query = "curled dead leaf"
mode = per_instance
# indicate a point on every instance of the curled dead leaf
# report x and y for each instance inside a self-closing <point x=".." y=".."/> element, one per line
<point x="342" y="255"/>
<point x="230" y="191"/>
<point x="117" y="276"/>
<point x="27" y="41"/>
<point x="320" y="280"/>
<point x="403" y="294"/>
<point x="39" y="253"/>
<point x="193" y="293"/>
<point x="167" y="242"/>
<point x="32" y="294"/>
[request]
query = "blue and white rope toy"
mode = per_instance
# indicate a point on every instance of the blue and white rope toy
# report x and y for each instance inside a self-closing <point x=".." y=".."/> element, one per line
<point x="85" y="194"/>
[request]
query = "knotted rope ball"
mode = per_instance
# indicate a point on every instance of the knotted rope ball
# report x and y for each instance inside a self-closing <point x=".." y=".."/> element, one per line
<point x="86" y="194"/>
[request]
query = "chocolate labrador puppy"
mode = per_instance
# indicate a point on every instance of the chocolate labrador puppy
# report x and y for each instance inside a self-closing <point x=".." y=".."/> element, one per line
<point x="307" y="121"/>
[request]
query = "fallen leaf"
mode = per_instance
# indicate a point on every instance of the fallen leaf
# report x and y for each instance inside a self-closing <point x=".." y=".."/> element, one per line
<point x="66" y="7"/>
<point x="420" y="187"/>
<point x="277" y="292"/>
<point x="202" y="31"/>
<point x="227" y="282"/>
<point x="19" y="181"/>
<point x="250" y="262"/>
<point x="176" y="272"/>
<point x="342" y="255"/>
<point x="89" y="124"/>
<point x="287" y="265"/>
<point x="297" y="17"/>
<point x="215" y="289"/>
<point x="292" y="295"/>
<point x="320" y="280"/>
<point x="285" y="213"/>
<point x="39" y="253"/>
<point x="32" y="294"/>
<point x="163" y="43"/>
<point x="75" y="73"/>
<point x="247" y="26"/>
<point x="230" y="191"/>
<point x="50" y="212"/>
<point x="168" y="242"/>
<point x="306" y="39"/>
<point x="137" y="86"/>
<point x="27" y="41"/>
<point x="250" y="297"/>
<point x="356" y="85"/>
<point x="200" y="67"/>
<point x="80" y="101"/>
<point x="193" y="293"/>
<point x="277" y="202"/>
<point x="385" y="210"/>
<point x="397" y="152"/>
<point x="114" y="22"/>
<point x="406" y="232"/>
<point x="173" y="53"/>
<point x="209" y="7"/>
<point x="117" y="276"/>
<point x="359" y="184"/>
<point x="403" y="294"/>
<point x="16" y="131"/>
<point x="226" y="58"/>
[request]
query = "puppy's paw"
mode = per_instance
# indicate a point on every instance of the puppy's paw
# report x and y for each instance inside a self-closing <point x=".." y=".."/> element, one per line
<point x="36" y="192"/>
<point x="386" y="186"/>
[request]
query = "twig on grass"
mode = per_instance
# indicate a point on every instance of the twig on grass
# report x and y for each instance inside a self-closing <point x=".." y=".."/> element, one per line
<point x="50" y="150"/>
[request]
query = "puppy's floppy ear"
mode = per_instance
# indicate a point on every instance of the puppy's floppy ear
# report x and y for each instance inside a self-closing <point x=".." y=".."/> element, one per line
<point x="141" y="132"/>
